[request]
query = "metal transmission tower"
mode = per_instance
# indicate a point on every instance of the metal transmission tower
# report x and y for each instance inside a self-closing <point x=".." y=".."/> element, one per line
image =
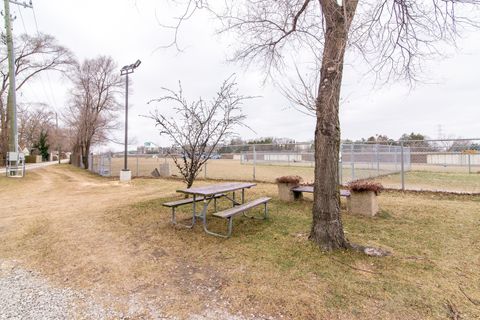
<point x="15" y="159"/>
<point x="125" y="174"/>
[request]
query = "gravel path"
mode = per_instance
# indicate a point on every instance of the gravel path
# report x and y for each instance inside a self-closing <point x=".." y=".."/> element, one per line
<point x="26" y="295"/>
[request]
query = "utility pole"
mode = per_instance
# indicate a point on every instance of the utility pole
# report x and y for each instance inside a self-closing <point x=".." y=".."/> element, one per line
<point x="58" y="140"/>
<point x="11" y="100"/>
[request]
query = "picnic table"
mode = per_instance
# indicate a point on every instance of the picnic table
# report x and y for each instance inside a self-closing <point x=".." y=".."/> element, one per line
<point x="209" y="193"/>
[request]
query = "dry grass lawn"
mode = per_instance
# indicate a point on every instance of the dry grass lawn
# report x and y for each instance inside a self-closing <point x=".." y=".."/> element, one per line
<point x="92" y="233"/>
<point x="435" y="181"/>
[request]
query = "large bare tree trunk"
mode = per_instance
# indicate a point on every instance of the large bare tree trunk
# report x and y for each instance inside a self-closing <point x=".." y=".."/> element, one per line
<point x="85" y="155"/>
<point x="327" y="228"/>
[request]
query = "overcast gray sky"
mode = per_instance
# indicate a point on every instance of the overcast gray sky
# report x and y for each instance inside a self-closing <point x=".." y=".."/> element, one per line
<point x="129" y="30"/>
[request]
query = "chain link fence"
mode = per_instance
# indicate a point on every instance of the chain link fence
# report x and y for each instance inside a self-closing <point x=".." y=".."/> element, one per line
<point x="100" y="164"/>
<point x="436" y="165"/>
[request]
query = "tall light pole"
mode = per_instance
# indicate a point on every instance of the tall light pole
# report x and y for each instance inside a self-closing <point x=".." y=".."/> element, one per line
<point x="125" y="174"/>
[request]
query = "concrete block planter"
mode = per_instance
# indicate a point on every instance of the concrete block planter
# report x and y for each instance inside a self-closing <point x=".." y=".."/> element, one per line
<point x="363" y="198"/>
<point x="363" y="203"/>
<point x="285" y="185"/>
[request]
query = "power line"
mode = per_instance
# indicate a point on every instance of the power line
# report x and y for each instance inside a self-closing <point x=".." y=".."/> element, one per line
<point x="26" y="31"/>
<point x="55" y="105"/>
<point x="21" y="17"/>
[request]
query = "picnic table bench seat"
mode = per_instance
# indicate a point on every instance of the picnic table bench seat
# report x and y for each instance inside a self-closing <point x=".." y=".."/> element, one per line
<point x="241" y="208"/>
<point x="181" y="202"/>
<point x="231" y="212"/>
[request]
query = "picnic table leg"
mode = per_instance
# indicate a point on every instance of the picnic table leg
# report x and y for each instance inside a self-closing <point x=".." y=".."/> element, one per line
<point x="194" y="210"/>
<point x="265" y="214"/>
<point x="204" y="218"/>
<point x="243" y="196"/>
<point x="174" y="220"/>
<point x="173" y="216"/>
<point x="234" y="202"/>
<point x="215" y="204"/>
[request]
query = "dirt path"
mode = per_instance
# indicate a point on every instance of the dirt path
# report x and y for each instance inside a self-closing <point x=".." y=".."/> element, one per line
<point x="58" y="225"/>
<point x="59" y="192"/>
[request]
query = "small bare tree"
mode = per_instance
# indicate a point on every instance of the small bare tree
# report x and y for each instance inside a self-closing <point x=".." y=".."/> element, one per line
<point x="33" y="55"/>
<point x="93" y="106"/>
<point x="201" y="125"/>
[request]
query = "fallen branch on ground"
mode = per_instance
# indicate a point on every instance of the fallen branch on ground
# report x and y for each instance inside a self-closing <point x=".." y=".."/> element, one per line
<point x="474" y="301"/>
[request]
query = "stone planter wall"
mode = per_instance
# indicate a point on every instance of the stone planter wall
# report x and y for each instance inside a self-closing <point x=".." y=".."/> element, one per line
<point x="363" y="203"/>
<point x="285" y="193"/>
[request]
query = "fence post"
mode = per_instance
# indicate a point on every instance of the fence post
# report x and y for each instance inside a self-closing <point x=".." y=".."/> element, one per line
<point x="137" y="164"/>
<point x="110" y="165"/>
<point x="378" y="160"/>
<point x="395" y="158"/>
<point x="352" y="161"/>
<point x="90" y="162"/>
<point x="469" y="164"/>
<point x="254" y="162"/>
<point x="402" y="166"/>
<point x="104" y="164"/>
<point x="205" y="172"/>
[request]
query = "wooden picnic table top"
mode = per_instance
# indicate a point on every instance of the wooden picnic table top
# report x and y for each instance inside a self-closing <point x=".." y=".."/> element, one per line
<point x="217" y="188"/>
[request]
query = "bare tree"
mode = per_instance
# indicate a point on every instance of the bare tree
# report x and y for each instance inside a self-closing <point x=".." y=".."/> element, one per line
<point x="393" y="37"/>
<point x="33" y="55"/>
<point x="34" y="119"/>
<point x="200" y="126"/>
<point x="91" y="113"/>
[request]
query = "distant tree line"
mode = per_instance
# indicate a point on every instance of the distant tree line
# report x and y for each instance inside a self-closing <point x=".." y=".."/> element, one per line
<point x="420" y="142"/>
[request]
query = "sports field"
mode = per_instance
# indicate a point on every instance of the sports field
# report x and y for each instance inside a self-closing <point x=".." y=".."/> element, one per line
<point x="421" y="177"/>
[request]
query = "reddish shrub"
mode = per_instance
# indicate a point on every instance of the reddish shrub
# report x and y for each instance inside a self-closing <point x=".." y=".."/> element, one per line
<point x="365" y="185"/>
<point x="289" y="179"/>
